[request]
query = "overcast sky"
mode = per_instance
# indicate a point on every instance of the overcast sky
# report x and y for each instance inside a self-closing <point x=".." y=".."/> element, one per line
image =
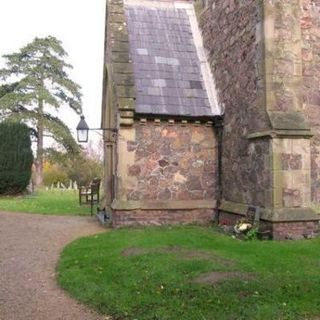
<point x="79" y="24"/>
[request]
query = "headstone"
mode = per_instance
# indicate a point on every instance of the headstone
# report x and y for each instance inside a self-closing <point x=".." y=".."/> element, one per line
<point x="30" y="188"/>
<point x="253" y="215"/>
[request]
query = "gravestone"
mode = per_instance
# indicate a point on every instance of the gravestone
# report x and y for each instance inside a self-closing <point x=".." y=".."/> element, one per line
<point x="253" y="215"/>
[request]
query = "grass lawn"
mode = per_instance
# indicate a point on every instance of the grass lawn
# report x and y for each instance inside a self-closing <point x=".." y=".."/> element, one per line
<point x="192" y="273"/>
<point x="46" y="202"/>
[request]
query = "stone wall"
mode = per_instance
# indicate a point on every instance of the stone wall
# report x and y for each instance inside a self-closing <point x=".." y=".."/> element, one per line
<point x="255" y="50"/>
<point x="310" y="29"/>
<point x="232" y="32"/>
<point x="166" y="174"/>
<point x="294" y="230"/>
<point x="282" y="38"/>
<point x="124" y="218"/>
<point x="163" y="162"/>
<point x="291" y="172"/>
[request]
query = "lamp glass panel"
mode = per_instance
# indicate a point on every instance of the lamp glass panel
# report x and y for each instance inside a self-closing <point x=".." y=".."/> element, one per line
<point x="83" y="135"/>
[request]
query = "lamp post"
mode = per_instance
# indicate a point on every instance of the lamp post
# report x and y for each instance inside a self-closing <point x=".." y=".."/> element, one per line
<point x="83" y="130"/>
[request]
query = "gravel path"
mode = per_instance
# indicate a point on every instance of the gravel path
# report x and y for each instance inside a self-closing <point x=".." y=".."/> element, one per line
<point x="29" y="249"/>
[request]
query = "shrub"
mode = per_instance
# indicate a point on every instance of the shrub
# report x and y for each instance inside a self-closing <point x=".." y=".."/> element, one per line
<point x="63" y="167"/>
<point x="53" y="173"/>
<point x="15" y="157"/>
<point x="83" y="169"/>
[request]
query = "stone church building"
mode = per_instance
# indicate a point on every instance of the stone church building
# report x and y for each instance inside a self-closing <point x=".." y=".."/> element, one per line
<point x="217" y="108"/>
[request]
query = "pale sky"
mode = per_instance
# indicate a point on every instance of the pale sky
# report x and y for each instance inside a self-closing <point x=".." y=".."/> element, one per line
<point x="79" y="24"/>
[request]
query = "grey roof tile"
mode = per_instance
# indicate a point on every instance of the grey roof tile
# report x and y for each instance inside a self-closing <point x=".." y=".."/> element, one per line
<point x="196" y="84"/>
<point x="160" y="83"/>
<point x="142" y="51"/>
<point x="143" y="108"/>
<point x="154" y="91"/>
<point x="167" y="71"/>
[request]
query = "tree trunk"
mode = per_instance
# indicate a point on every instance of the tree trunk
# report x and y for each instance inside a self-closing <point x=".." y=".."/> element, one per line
<point x="39" y="158"/>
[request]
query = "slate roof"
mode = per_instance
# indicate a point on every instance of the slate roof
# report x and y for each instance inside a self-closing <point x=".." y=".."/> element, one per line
<point x="167" y="72"/>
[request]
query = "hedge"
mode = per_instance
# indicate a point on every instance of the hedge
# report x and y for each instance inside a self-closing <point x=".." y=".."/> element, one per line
<point x="16" y="157"/>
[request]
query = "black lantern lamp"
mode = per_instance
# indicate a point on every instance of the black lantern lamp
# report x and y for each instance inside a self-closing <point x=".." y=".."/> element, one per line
<point x="83" y="130"/>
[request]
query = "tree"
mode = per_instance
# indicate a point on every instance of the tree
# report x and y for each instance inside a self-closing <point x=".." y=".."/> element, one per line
<point x="36" y="83"/>
<point x="15" y="157"/>
<point x="5" y="89"/>
<point x="53" y="174"/>
<point x="81" y="167"/>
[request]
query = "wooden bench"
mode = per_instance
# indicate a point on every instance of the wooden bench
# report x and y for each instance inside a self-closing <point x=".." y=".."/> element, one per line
<point x="90" y="194"/>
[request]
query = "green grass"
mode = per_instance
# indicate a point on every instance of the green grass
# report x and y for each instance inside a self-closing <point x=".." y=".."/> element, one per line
<point x="158" y="284"/>
<point x="45" y="202"/>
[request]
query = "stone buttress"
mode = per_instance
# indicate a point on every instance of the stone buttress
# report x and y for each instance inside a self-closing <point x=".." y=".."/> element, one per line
<point x="260" y="53"/>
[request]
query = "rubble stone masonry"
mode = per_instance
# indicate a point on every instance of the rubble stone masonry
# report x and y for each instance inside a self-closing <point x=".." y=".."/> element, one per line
<point x="310" y="29"/>
<point x="232" y="36"/>
<point x="168" y="163"/>
<point x="166" y="167"/>
<point x="264" y="58"/>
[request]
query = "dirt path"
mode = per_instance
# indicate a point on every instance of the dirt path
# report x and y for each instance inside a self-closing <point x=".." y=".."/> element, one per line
<point x="29" y="250"/>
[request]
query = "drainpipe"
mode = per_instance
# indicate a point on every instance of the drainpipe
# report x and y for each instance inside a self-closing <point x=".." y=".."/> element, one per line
<point x="218" y="126"/>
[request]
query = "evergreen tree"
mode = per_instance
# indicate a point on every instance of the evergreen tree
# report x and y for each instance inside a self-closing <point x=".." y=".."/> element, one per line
<point x="15" y="157"/>
<point x="35" y="83"/>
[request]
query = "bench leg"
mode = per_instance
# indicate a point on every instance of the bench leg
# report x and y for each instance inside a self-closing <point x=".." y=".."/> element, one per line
<point x="91" y="204"/>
